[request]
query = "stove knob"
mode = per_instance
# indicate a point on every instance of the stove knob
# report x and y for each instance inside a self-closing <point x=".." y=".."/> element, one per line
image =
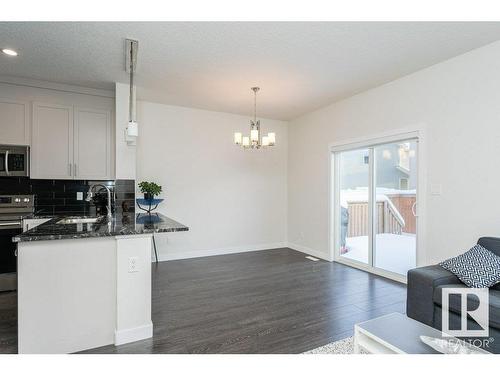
<point x="26" y="200"/>
<point x="17" y="200"/>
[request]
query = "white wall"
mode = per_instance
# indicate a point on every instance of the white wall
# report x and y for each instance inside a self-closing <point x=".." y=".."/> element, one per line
<point x="457" y="103"/>
<point x="232" y="199"/>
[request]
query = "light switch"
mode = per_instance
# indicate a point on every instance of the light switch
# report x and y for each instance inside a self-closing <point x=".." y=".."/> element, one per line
<point x="79" y="196"/>
<point x="436" y="189"/>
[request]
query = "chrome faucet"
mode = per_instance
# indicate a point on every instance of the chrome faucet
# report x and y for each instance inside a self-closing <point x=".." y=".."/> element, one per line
<point x="90" y="194"/>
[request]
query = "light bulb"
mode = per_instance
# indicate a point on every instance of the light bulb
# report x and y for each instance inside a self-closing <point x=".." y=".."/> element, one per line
<point x="237" y="138"/>
<point x="246" y="142"/>
<point x="272" y="138"/>
<point x="254" y="135"/>
<point x="265" y="141"/>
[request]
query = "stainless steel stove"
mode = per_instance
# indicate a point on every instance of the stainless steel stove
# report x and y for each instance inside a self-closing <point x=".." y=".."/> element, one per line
<point x="12" y="210"/>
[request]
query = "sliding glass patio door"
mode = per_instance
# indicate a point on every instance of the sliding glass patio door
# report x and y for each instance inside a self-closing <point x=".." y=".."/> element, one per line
<point x="375" y="206"/>
<point x="353" y="212"/>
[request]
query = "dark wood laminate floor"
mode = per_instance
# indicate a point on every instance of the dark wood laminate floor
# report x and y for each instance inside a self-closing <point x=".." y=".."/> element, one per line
<point x="273" y="301"/>
<point x="8" y="322"/>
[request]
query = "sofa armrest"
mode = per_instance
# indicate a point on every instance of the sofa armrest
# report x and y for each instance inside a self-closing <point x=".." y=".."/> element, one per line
<point x="420" y="291"/>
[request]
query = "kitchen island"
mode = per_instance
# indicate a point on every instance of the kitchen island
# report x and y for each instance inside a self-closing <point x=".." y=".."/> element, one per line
<point x="83" y="285"/>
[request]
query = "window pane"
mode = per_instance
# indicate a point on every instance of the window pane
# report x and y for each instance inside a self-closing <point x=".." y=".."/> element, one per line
<point x="395" y="222"/>
<point x="354" y="181"/>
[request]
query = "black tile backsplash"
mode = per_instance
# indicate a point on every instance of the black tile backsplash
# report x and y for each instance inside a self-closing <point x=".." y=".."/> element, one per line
<point x="54" y="197"/>
<point x="14" y="185"/>
<point x="124" y="196"/>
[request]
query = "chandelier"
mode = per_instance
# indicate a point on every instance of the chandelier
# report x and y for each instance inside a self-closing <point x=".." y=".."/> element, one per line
<point x="255" y="140"/>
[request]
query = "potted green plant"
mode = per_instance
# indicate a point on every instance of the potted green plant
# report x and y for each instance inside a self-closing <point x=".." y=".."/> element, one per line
<point x="149" y="189"/>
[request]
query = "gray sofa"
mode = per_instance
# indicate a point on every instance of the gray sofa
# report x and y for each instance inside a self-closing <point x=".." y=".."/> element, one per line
<point x="425" y="286"/>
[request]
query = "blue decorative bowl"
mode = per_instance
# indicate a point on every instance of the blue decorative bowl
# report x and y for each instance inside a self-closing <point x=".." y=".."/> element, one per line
<point x="148" y="202"/>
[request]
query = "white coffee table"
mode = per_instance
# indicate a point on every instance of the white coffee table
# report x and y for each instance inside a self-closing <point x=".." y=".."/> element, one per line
<point x="394" y="334"/>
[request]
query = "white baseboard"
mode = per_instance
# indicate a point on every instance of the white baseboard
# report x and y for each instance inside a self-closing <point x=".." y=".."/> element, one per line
<point x="241" y="249"/>
<point x="309" y="251"/>
<point x="125" y="336"/>
<point x="220" y="251"/>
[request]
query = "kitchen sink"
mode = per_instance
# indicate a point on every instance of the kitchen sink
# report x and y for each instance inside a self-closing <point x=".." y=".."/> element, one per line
<point x="80" y="220"/>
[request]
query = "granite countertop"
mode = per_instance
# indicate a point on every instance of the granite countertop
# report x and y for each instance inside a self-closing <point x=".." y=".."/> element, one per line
<point x="38" y="216"/>
<point x="118" y="226"/>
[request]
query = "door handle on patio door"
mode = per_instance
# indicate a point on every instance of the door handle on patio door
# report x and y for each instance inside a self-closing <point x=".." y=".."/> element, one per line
<point x="413" y="209"/>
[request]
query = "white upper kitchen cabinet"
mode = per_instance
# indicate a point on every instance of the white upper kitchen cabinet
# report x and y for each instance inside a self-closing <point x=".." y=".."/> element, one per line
<point x="92" y="144"/>
<point x="70" y="142"/>
<point x="52" y="141"/>
<point x="70" y="130"/>
<point x="14" y="122"/>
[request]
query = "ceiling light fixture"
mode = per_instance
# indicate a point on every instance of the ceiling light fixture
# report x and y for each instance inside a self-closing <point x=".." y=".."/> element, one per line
<point x="255" y="140"/>
<point x="9" y="52"/>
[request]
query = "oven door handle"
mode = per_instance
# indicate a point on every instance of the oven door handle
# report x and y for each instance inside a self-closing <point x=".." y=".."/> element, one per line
<point x="9" y="223"/>
<point x="7" y="163"/>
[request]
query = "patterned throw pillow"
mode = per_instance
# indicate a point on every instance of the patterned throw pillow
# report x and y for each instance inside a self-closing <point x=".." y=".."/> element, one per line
<point x="476" y="268"/>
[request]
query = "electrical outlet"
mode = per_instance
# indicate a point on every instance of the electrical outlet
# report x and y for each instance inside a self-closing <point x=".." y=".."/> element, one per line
<point x="133" y="264"/>
<point x="79" y="196"/>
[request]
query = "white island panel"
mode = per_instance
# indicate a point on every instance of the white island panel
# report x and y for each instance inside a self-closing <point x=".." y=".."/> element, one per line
<point x="66" y="295"/>
<point x="133" y="301"/>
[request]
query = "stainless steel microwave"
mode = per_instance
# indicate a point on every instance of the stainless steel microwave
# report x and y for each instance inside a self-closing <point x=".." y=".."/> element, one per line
<point x="14" y="160"/>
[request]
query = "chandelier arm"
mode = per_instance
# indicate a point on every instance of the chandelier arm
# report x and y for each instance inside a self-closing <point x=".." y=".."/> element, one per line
<point x="255" y="106"/>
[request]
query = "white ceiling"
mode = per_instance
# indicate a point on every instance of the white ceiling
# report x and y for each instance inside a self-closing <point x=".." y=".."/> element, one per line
<point x="299" y="66"/>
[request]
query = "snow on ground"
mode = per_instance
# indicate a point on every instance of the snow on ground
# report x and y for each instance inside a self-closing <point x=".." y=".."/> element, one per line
<point x="396" y="253"/>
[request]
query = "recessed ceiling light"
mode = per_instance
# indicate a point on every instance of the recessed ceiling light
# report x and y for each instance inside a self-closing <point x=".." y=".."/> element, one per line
<point x="9" y="52"/>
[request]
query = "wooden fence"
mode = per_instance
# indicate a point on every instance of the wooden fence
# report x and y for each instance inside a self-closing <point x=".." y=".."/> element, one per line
<point x="394" y="217"/>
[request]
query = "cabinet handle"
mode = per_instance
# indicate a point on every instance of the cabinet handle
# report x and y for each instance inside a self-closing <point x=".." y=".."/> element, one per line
<point x="76" y="170"/>
<point x="69" y="169"/>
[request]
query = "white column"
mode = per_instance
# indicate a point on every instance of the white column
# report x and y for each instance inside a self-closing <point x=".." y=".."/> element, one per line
<point x="133" y="284"/>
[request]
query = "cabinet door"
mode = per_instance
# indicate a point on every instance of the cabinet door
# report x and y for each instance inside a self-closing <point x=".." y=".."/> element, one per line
<point x="52" y="142"/>
<point x="92" y="155"/>
<point x="14" y="122"/>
